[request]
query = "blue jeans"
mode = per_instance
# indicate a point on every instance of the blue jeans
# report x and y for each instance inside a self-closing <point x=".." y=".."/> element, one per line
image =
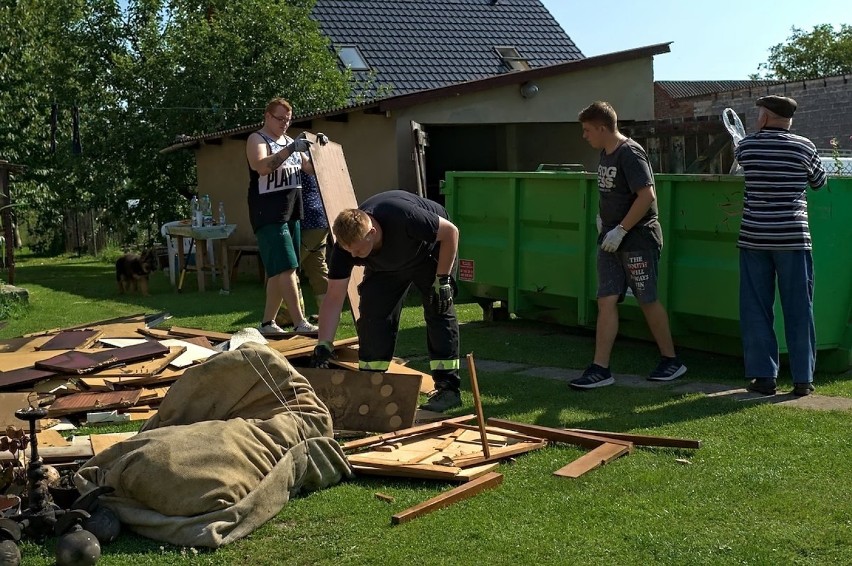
<point x="795" y="273"/>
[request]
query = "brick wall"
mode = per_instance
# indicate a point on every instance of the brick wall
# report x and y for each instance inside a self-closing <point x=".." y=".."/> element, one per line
<point x="667" y="107"/>
<point x="824" y="112"/>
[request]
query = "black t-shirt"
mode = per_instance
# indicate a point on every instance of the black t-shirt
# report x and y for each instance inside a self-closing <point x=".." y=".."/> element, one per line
<point x="409" y="225"/>
<point x="620" y="175"/>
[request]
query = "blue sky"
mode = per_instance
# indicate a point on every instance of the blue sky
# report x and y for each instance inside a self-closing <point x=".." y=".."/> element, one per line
<point x="723" y="39"/>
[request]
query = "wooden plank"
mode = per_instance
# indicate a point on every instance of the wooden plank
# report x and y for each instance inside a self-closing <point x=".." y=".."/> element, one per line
<point x="17" y="378"/>
<point x="503" y="432"/>
<point x="144" y="368"/>
<point x="306" y="350"/>
<point x="477" y="405"/>
<point x="557" y="434"/>
<point x="420" y="429"/>
<point x="209" y="334"/>
<point x="22" y="344"/>
<point x="366" y="401"/>
<point x="21" y="360"/>
<point x="466" y="491"/>
<point x="594" y="459"/>
<point x="643" y="439"/>
<point x="499" y="454"/>
<point x="464" y="475"/>
<point x="155" y="333"/>
<point x="337" y="193"/>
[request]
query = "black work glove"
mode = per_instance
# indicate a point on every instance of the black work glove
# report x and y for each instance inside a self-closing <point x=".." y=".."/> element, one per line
<point x="442" y="294"/>
<point x="323" y="352"/>
<point x="322" y="138"/>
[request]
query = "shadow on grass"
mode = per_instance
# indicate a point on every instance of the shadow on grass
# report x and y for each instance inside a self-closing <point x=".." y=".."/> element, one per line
<point x="551" y="402"/>
<point x="93" y="280"/>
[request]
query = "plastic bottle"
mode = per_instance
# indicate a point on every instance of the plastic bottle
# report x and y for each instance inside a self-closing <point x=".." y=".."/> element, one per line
<point x="194" y="212"/>
<point x="222" y="221"/>
<point x="207" y="211"/>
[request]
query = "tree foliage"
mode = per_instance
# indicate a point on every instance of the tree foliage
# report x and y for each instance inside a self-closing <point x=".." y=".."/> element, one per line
<point x="142" y="73"/>
<point x="824" y="51"/>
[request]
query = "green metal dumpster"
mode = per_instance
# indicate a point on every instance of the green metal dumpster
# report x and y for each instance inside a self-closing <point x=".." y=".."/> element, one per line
<point x="528" y="239"/>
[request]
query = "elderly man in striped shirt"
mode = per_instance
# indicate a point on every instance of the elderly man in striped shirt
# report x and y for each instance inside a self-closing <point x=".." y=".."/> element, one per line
<point x="775" y="241"/>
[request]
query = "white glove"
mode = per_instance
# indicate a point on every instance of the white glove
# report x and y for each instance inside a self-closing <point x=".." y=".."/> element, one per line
<point x="300" y="145"/>
<point x="599" y="223"/>
<point x="613" y="239"/>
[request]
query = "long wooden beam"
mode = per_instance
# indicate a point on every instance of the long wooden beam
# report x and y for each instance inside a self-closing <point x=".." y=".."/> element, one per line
<point x="644" y="439"/>
<point x="465" y="491"/>
<point x="558" y="434"/>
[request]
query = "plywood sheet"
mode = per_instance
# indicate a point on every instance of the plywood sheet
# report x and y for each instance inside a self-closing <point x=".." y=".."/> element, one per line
<point x="101" y="442"/>
<point x="335" y="186"/>
<point x="19" y="378"/>
<point x="18" y="360"/>
<point x="9" y="403"/>
<point x="366" y="401"/>
<point x="22" y="344"/>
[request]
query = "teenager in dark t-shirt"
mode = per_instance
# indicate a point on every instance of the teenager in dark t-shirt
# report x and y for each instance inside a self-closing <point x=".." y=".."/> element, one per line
<point x="630" y="242"/>
<point x="401" y="239"/>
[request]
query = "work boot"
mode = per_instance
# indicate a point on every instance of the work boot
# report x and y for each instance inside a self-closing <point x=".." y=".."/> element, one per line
<point x="803" y="389"/>
<point x="764" y="386"/>
<point x="442" y="400"/>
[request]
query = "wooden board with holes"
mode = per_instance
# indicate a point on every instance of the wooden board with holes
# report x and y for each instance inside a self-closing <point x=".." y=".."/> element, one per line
<point x="337" y="192"/>
<point x="427" y="384"/>
<point x="365" y="400"/>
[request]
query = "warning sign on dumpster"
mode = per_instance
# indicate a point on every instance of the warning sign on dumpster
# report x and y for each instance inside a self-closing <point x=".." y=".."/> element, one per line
<point x="466" y="270"/>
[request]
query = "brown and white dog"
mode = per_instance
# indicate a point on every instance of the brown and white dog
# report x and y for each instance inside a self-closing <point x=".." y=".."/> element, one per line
<point x="131" y="271"/>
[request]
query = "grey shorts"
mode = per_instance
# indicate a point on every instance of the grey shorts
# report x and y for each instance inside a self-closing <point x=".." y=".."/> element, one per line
<point x="620" y="271"/>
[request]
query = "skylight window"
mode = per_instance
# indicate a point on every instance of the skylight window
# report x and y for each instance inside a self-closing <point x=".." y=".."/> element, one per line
<point x="351" y="57"/>
<point x="512" y="59"/>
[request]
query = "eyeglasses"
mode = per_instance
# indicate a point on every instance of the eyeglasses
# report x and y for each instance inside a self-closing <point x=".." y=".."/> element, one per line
<point x="282" y="119"/>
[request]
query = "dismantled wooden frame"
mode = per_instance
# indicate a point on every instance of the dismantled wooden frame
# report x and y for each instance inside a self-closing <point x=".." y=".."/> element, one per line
<point x="446" y="450"/>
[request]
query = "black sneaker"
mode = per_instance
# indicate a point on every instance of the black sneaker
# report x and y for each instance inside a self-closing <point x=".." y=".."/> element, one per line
<point x="442" y="400"/>
<point x="763" y="386"/>
<point x="594" y="376"/>
<point x="803" y="389"/>
<point x="667" y="370"/>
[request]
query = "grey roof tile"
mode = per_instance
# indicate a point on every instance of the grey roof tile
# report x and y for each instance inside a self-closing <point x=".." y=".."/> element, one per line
<point x="413" y="45"/>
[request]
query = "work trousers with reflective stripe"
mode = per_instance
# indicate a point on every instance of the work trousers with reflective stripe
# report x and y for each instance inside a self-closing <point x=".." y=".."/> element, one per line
<point x="382" y="295"/>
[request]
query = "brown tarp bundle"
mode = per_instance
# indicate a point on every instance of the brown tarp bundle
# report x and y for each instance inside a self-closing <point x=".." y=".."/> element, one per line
<point x="223" y="455"/>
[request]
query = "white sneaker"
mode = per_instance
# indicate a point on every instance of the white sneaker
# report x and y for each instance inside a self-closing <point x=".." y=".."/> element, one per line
<point x="272" y="328"/>
<point x="305" y="326"/>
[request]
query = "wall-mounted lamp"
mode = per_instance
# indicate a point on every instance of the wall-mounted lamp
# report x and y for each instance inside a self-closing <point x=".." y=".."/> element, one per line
<point x="529" y="89"/>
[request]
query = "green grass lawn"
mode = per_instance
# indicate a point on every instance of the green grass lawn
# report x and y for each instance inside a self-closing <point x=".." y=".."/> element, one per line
<point x="769" y="486"/>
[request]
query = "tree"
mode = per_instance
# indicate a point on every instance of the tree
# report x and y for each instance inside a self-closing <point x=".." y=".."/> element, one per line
<point x="141" y="73"/>
<point x="822" y="52"/>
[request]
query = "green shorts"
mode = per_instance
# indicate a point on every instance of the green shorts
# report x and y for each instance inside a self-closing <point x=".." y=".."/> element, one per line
<point x="278" y="245"/>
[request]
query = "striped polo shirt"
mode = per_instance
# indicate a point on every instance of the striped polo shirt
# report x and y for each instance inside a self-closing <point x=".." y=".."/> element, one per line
<point x="778" y="168"/>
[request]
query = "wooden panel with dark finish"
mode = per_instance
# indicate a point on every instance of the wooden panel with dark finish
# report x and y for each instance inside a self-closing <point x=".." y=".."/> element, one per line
<point x="70" y="339"/>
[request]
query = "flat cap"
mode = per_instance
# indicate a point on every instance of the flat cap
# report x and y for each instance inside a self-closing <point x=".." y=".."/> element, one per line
<point x="781" y="105"/>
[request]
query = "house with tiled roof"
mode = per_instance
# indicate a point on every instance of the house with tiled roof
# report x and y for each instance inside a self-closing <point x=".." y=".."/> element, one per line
<point x="395" y="47"/>
<point x="450" y="85"/>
